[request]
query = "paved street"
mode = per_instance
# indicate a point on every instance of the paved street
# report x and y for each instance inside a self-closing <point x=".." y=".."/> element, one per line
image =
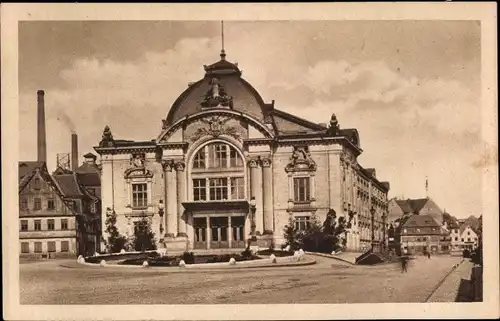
<point x="329" y="281"/>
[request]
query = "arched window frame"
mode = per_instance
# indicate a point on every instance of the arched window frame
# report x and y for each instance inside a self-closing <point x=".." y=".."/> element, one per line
<point x="208" y="172"/>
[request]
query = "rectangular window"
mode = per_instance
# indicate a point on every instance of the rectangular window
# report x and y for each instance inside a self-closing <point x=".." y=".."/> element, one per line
<point x="64" y="246"/>
<point x="199" y="159"/>
<point x="36" y="184"/>
<point x="139" y="195"/>
<point x="25" y="247"/>
<point x="456" y="238"/>
<point x="51" y="225"/>
<point x="218" y="189"/>
<point x="24" y="225"/>
<point x="200" y="229"/>
<point x="302" y="222"/>
<point x="51" y="246"/>
<point x="64" y="224"/>
<point x="38" y="225"/>
<point x="38" y="247"/>
<point x="200" y="189"/>
<point x="38" y="204"/>
<point x="237" y="188"/>
<point x="51" y="205"/>
<point x="92" y="208"/>
<point x="301" y="189"/>
<point x="218" y="155"/>
<point x="23" y="204"/>
<point x="234" y="158"/>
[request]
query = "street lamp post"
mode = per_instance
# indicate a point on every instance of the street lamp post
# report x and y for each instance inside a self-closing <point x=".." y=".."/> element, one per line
<point x="253" y="208"/>
<point x="372" y="212"/>
<point x="161" y="212"/>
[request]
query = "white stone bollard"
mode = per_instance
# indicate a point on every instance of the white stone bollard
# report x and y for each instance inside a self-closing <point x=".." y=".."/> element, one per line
<point x="287" y="248"/>
<point x="273" y="258"/>
<point x="123" y="251"/>
<point x="80" y="259"/>
<point x="301" y="252"/>
<point x="333" y="252"/>
<point x="296" y="253"/>
<point x="96" y="254"/>
<point x="182" y="263"/>
<point x="232" y="261"/>
<point x="145" y="264"/>
<point x="103" y="263"/>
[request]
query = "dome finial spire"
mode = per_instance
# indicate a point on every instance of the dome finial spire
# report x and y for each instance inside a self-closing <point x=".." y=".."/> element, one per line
<point x="222" y="52"/>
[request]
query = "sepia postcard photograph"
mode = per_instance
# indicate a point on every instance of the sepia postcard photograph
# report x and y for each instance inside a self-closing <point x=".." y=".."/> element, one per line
<point x="249" y="161"/>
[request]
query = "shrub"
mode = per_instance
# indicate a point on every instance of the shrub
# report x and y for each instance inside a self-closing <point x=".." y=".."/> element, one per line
<point x="144" y="238"/>
<point x="188" y="257"/>
<point x="115" y="242"/>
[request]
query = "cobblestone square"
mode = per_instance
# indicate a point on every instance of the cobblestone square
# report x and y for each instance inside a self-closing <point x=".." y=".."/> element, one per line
<point x="328" y="281"/>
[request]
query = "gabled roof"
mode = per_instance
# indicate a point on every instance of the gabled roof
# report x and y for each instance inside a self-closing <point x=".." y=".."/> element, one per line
<point x="69" y="185"/>
<point x="29" y="167"/>
<point x="289" y="124"/>
<point x="421" y="221"/>
<point x="412" y="205"/>
<point x="87" y="168"/>
<point x="27" y="170"/>
<point x="88" y="179"/>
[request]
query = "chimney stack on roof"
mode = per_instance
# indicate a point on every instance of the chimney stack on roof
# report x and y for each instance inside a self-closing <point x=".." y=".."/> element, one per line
<point x="74" y="151"/>
<point x="41" y="138"/>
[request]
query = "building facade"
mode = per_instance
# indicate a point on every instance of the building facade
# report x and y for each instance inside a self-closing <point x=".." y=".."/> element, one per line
<point x="423" y="234"/>
<point x="57" y="218"/>
<point x="226" y="166"/>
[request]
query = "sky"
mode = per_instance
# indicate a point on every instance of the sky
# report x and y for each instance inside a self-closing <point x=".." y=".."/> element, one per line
<point x="411" y="88"/>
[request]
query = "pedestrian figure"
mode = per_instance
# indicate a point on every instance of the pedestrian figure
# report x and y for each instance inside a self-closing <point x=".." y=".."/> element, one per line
<point x="428" y="255"/>
<point x="404" y="264"/>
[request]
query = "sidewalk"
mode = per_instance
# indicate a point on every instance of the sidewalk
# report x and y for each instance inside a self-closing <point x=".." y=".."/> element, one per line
<point x="456" y="286"/>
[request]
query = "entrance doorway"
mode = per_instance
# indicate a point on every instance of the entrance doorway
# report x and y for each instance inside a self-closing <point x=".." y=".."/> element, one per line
<point x="219" y="232"/>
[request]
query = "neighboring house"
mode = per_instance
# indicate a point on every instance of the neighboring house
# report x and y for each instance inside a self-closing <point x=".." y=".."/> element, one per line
<point x="468" y="237"/>
<point x="55" y="213"/>
<point x="451" y="224"/>
<point x="422" y="233"/>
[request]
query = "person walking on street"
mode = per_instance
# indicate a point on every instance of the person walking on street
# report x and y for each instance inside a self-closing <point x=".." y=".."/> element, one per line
<point x="428" y="255"/>
<point x="404" y="264"/>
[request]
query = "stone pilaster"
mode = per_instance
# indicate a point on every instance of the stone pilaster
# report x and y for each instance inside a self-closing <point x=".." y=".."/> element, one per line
<point x="268" y="203"/>
<point x="181" y="197"/>
<point x="256" y="191"/>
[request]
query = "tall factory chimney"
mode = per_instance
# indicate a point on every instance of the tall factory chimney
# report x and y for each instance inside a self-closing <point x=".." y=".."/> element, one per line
<point x="74" y="151"/>
<point x="42" y="142"/>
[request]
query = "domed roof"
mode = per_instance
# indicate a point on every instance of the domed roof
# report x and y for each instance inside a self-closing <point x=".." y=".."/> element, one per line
<point x="221" y="87"/>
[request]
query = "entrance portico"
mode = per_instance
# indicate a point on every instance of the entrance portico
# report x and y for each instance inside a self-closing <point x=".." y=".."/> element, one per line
<point x="218" y="225"/>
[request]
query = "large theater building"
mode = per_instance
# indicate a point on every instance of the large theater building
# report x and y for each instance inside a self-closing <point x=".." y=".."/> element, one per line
<point x="226" y="166"/>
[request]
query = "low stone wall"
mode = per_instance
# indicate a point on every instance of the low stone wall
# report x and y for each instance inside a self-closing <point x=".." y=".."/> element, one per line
<point x="477" y="283"/>
<point x="298" y="259"/>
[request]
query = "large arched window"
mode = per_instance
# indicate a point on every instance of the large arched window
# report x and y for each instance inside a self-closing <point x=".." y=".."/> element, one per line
<point x="218" y="173"/>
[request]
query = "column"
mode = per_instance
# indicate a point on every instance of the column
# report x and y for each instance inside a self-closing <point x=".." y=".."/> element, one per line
<point x="229" y="232"/>
<point x="256" y="191"/>
<point x="181" y="197"/>
<point x="171" y="198"/>
<point x="209" y="233"/>
<point x="267" y="177"/>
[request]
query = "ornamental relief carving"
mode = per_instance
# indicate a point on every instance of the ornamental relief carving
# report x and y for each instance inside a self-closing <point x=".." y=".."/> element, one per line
<point x="215" y="126"/>
<point x="300" y="160"/>
<point x="137" y="167"/>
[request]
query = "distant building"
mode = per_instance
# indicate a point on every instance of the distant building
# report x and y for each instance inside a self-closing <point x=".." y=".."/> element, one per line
<point x="422" y="233"/>
<point x="468" y="237"/>
<point x="398" y="208"/>
<point x="57" y="216"/>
